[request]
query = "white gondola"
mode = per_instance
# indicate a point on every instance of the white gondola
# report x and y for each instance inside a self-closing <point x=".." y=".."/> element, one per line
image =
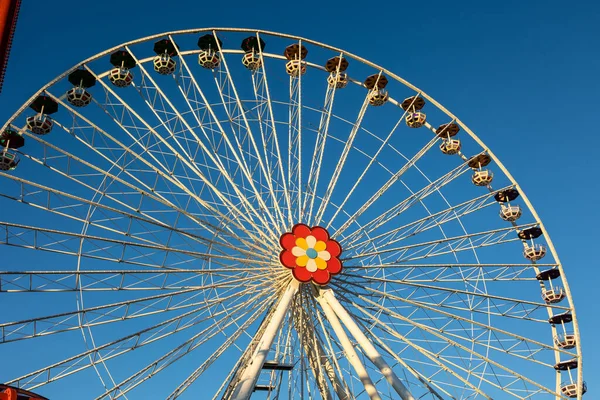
<point x="40" y="124"/>
<point x="8" y="160"/>
<point x="336" y="80"/>
<point x="209" y="59"/>
<point x="120" y="77"/>
<point x="565" y="340"/>
<point x="295" y="68"/>
<point x="482" y="177"/>
<point x="251" y="60"/>
<point x="378" y="97"/>
<point x="510" y="213"/>
<point x="553" y="295"/>
<point x="450" y="146"/>
<point x="79" y="97"/>
<point x="571" y="389"/>
<point x="416" y="119"/>
<point x="534" y="252"/>
<point x="164" y="64"/>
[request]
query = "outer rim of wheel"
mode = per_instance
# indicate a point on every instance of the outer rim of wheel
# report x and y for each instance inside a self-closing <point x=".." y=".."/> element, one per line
<point x="396" y="77"/>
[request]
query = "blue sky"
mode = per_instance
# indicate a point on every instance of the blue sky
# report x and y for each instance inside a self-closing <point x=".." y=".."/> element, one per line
<point x="523" y="75"/>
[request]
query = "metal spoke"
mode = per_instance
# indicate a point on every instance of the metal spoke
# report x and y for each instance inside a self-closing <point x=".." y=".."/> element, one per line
<point x="319" y="151"/>
<point x="168" y="173"/>
<point x="115" y="312"/>
<point x="532" y="346"/>
<point x="112" y="280"/>
<point x="159" y="181"/>
<point x="402" y="206"/>
<point x="340" y="165"/>
<point x="457" y="299"/>
<point x="114" y="349"/>
<point x="104" y="248"/>
<point x="51" y="153"/>
<point x="244" y="166"/>
<point x="446" y="245"/>
<point x="188" y="346"/>
<point x="71" y="206"/>
<point x="381" y="191"/>
<point x="456" y="344"/>
<point x="195" y="168"/>
<point x="431" y="221"/>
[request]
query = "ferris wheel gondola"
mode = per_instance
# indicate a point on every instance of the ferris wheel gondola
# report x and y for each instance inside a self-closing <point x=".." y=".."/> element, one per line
<point x="279" y="221"/>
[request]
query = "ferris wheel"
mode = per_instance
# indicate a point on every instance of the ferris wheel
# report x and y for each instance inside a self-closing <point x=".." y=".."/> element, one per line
<point x="233" y="213"/>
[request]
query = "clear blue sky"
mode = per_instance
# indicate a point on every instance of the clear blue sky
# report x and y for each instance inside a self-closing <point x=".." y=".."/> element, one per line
<point x="524" y="75"/>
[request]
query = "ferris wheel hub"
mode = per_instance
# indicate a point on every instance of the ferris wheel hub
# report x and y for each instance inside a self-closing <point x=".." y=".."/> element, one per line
<point x="311" y="254"/>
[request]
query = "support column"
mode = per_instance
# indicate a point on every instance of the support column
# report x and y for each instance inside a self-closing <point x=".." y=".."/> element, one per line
<point x="370" y="350"/>
<point x="245" y="386"/>
<point x="339" y="387"/>
<point x="307" y="338"/>
<point x="330" y="372"/>
<point x="349" y="349"/>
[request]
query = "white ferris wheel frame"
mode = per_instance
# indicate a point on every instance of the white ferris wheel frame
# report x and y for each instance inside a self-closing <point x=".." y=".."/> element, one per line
<point x="332" y="309"/>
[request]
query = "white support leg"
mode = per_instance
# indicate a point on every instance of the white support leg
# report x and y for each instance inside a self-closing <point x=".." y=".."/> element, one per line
<point x="333" y="378"/>
<point x="306" y="334"/>
<point x="349" y="349"/>
<point x="314" y="362"/>
<point x="370" y="350"/>
<point x="245" y="386"/>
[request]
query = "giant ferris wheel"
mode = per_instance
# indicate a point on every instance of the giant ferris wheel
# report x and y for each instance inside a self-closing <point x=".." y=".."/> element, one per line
<point x="233" y="213"/>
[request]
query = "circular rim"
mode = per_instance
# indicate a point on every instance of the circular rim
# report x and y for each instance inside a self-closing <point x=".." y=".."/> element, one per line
<point x="391" y="75"/>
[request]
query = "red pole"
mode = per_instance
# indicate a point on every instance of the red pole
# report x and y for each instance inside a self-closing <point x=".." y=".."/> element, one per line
<point x="9" y="10"/>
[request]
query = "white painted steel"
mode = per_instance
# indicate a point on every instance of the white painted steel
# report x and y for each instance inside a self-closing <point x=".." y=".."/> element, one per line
<point x="248" y="379"/>
<point x="364" y="342"/>
<point x="247" y="197"/>
<point x="350" y="351"/>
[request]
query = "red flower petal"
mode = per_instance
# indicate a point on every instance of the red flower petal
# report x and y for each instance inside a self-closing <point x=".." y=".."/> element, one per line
<point x="334" y="265"/>
<point x="321" y="276"/>
<point x="334" y="248"/>
<point x="301" y="230"/>
<point x="320" y="233"/>
<point x="301" y="274"/>
<point x="287" y="258"/>
<point x="287" y="241"/>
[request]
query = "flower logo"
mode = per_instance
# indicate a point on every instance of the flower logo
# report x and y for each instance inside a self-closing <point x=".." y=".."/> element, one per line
<point x="310" y="254"/>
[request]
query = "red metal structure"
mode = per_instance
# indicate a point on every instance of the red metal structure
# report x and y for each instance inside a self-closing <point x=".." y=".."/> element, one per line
<point x="12" y="393"/>
<point x="9" y="11"/>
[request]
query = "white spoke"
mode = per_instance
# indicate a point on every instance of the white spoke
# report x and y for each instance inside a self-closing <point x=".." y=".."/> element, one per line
<point x="340" y="165"/>
<point x="184" y="160"/>
<point x="186" y="348"/>
<point x="184" y="194"/>
<point x="112" y="280"/>
<point x="404" y="205"/>
<point x="319" y="151"/>
<point x="113" y="349"/>
<point x="193" y="164"/>
<point x="51" y="153"/>
<point x="456" y="344"/>
<point x="250" y="136"/>
<point x="431" y="221"/>
<point x="104" y="248"/>
<point x="446" y="245"/>
<point x="385" y="187"/>
<point x="115" y="220"/>
<point x="529" y="347"/>
<point x="113" y="313"/>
